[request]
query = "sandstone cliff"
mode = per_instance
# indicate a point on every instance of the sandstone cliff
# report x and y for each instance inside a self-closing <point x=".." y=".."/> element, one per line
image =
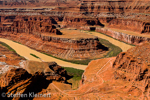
<point x="40" y="33"/>
<point x="19" y="81"/>
<point x="123" y="77"/>
<point x="29" y="25"/>
<point x="77" y="22"/>
<point x="115" y="6"/>
<point x="131" y="39"/>
<point x="133" y="66"/>
<point x="140" y="26"/>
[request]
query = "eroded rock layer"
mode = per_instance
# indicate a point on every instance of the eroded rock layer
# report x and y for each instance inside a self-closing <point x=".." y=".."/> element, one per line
<point x="19" y="81"/>
<point x="133" y="66"/>
<point x="40" y="33"/>
<point x="128" y="38"/>
<point x="115" y="6"/>
<point x="131" y="24"/>
<point x="123" y="77"/>
<point x="126" y="76"/>
<point x="130" y="15"/>
<point x="8" y="58"/>
<point x="78" y="22"/>
<point x="28" y="25"/>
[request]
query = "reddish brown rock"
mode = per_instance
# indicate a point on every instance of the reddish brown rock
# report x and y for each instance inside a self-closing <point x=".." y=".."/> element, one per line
<point x="128" y="38"/>
<point x="116" y="6"/>
<point x="133" y="66"/>
<point x="42" y="35"/>
<point x="8" y="59"/>
<point x="140" y="26"/>
<point x="19" y="81"/>
<point x="80" y="21"/>
<point x="123" y="77"/>
<point x="33" y="25"/>
<point x="51" y="70"/>
<point x="13" y="76"/>
<point x="35" y="3"/>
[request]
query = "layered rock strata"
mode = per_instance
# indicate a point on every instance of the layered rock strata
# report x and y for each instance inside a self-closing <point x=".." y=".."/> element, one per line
<point x="77" y="22"/>
<point x="29" y="26"/>
<point x="42" y="24"/>
<point x="131" y="39"/>
<point x="44" y="36"/>
<point x="123" y="77"/>
<point x="131" y="24"/>
<point x="19" y="81"/>
<point x="61" y="47"/>
<point x="8" y="58"/>
<point x="133" y="66"/>
<point x="115" y="6"/>
<point x="51" y="70"/>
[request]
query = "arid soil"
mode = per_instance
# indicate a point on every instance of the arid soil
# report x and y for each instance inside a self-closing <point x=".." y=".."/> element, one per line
<point x="19" y="75"/>
<point x="123" y="77"/>
<point x="46" y="26"/>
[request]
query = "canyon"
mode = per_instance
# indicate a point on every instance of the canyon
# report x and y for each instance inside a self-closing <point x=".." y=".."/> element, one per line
<point x="123" y="77"/>
<point x="130" y="15"/>
<point x="16" y="71"/>
<point x="40" y="33"/>
<point x="70" y="30"/>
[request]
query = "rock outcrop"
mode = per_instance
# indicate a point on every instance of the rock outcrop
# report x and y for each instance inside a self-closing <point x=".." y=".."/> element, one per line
<point x="126" y="14"/>
<point x="61" y="47"/>
<point x="123" y="77"/>
<point x="131" y="24"/>
<point x="133" y="66"/>
<point x="78" y="22"/>
<point x="114" y="6"/>
<point x="131" y="39"/>
<point x="29" y="25"/>
<point x="51" y="70"/>
<point x="40" y="33"/>
<point x="8" y="58"/>
<point x="35" y="3"/>
<point x="19" y="81"/>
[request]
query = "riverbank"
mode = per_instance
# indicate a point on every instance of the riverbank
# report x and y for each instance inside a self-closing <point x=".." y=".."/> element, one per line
<point x="118" y="43"/>
<point x="28" y="53"/>
<point x="25" y="51"/>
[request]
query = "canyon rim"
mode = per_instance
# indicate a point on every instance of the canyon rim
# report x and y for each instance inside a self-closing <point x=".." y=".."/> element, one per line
<point x="75" y="49"/>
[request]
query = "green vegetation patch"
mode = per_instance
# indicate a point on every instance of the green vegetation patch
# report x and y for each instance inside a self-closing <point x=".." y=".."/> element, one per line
<point x="82" y="62"/>
<point x="76" y="76"/>
<point x="114" y="50"/>
<point x="11" y="49"/>
<point x="7" y="46"/>
<point x="34" y="55"/>
<point x="75" y="73"/>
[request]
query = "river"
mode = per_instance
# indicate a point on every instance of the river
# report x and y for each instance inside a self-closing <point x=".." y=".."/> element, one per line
<point x="25" y="51"/>
<point x="120" y="44"/>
